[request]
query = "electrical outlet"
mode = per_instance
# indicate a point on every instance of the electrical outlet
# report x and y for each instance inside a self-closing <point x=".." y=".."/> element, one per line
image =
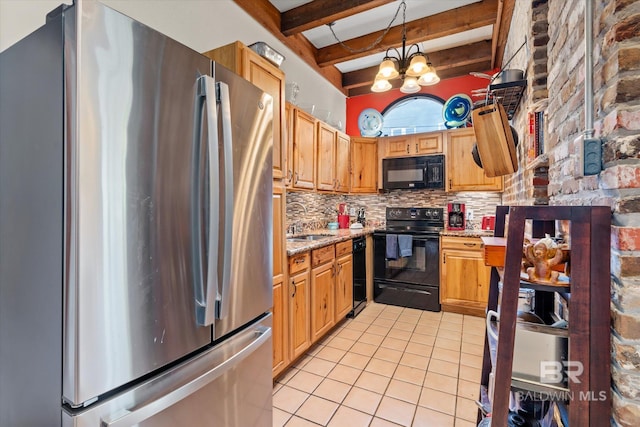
<point x="592" y="156"/>
<point x="470" y="215"/>
<point x="352" y="211"/>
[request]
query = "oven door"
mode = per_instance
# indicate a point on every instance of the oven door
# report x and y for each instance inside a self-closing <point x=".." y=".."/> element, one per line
<point x="412" y="281"/>
<point x="421" y="268"/>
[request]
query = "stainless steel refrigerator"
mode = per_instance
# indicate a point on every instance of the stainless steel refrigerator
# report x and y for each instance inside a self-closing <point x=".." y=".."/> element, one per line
<point x="135" y="231"/>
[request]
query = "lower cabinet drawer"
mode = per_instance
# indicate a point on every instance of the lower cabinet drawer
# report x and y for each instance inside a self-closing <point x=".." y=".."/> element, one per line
<point x="322" y="255"/>
<point x="299" y="262"/>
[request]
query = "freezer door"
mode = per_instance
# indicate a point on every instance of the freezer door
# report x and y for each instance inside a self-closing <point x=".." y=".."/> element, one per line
<point x="245" y="126"/>
<point x="228" y="386"/>
<point x="130" y="156"/>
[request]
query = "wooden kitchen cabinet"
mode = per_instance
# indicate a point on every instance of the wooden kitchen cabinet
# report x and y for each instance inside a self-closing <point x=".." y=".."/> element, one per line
<point x="364" y="157"/>
<point x="299" y="301"/>
<point x="288" y="144"/>
<point x="344" y="280"/>
<point x="464" y="277"/>
<point x="462" y="172"/>
<point x="326" y="157"/>
<point x="332" y="159"/>
<point x="280" y="326"/>
<point x="343" y="162"/>
<point x="304" y="150"/>
<point x="243" y="61"/>
<point x="413" y="145"/>
<point x="323" y="276"/>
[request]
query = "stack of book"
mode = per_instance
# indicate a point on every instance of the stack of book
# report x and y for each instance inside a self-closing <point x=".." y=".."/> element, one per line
<point x="536" y="135"/>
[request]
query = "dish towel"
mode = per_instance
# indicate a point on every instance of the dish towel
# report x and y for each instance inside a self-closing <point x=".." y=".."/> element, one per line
<point x="405" y="244"/>
<point x="391" y="247"/>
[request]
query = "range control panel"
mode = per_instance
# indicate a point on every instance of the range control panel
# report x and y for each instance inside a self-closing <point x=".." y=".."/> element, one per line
<point x="436" y="214"/>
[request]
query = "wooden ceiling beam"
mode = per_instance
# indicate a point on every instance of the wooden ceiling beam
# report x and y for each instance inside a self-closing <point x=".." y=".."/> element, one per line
<point x="501" y="31"/>
<point x="471" y="54"/>
<point x="322" y="12"/>
<point x="446" y="23"/>
<point x="444" y="74"/>
<point x="269" y="17"/>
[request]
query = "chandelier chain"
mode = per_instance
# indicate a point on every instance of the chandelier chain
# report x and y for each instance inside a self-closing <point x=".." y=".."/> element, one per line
<point x="377" y="41"/>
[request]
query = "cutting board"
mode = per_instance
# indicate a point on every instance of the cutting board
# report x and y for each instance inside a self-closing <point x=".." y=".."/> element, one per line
<point x="496" y="147"/>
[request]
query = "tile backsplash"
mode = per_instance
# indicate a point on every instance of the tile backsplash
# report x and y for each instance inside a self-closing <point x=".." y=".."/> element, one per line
<point x="322" y="208"/>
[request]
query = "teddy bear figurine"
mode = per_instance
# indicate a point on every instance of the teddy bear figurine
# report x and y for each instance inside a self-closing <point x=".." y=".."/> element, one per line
<point x="543" y="255"/>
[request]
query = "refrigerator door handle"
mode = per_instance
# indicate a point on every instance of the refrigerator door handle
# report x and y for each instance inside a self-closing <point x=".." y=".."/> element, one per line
<point x="149" y="409"/>
<point x="205" y="299"/>
<point x="227" y="144"/>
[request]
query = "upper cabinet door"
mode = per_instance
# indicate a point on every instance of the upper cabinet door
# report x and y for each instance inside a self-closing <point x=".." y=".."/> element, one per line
<point x="462" y="172"/>
<point x="287" y="144"/>
<point x="326" y="158"/>
<point x="304" y="149"/>
<point x="364" y="158"/>
<point x="270" y="79"/>
<point x="399" y="145"/>
<point x="428" y="143"/>
<point x="343" y="162"/>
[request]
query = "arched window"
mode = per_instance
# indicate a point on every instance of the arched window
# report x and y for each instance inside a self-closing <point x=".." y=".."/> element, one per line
<point x="413" y="114"/>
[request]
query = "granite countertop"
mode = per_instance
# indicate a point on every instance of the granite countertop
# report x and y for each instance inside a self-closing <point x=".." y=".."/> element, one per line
<point x="467" y="233"/>
<point x="340" y="235"/>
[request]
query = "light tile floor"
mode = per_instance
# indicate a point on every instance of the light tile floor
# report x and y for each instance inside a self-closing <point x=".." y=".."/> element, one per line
<point x="390" y="366"/>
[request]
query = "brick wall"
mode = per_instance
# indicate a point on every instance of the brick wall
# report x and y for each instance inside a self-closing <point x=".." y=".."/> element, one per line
<point x="616" y="57"/>
<point x="528" y="186"/>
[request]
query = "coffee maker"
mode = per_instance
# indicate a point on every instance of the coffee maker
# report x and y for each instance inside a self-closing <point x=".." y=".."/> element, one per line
<point x="456" y="216"/>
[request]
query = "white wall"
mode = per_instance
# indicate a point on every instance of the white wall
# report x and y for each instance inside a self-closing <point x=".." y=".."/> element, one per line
<point x="200" y="24"/>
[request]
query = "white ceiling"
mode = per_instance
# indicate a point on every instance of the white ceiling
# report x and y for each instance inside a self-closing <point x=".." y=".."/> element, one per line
<point x="378" y="19"/>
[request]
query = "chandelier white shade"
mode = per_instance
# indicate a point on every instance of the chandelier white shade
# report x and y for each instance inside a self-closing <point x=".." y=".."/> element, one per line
<point x="381" y="85"/>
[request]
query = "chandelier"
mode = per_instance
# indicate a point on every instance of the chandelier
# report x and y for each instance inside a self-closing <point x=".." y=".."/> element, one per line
<point x="415" y="69"/>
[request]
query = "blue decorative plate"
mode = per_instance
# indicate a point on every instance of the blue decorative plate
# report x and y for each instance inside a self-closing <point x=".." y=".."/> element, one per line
<point x="457" y="109"/>
<point x="370" y="122"/>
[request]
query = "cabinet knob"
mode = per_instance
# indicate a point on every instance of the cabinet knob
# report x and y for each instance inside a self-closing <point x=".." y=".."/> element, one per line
<point x="407" y="148"/>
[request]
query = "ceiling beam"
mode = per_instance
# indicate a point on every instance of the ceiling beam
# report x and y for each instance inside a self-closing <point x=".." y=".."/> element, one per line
<point x="471" y="54"/>
<point x="444" y="74"/>
<point x="502" y="32"/>
<point x="452" y="21"/>
<point x="269" y="17"/>
<point x="322" y="12"/>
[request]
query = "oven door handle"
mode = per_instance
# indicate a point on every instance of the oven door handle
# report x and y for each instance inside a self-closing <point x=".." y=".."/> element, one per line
<point x="425" y="238"/>
<point x="415" y="237"/>
<point x="417" y="291"/>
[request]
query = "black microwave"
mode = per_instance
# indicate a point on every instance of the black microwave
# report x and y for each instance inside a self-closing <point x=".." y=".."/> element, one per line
<point x="413" y="172"/>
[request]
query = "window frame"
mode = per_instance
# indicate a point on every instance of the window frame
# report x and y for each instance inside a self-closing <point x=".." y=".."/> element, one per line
<point x="406" y="98"/>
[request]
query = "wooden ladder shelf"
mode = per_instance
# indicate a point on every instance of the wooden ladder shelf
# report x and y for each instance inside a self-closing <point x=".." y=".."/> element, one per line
<point x="589" y="333"/>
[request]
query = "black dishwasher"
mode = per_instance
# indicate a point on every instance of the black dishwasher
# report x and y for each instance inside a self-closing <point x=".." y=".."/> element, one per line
<point x="359" y="276"/>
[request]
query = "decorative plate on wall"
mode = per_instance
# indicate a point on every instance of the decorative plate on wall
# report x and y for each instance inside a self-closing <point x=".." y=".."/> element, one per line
<point x="456" y="110"/>
<point x="370" y="122"/>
